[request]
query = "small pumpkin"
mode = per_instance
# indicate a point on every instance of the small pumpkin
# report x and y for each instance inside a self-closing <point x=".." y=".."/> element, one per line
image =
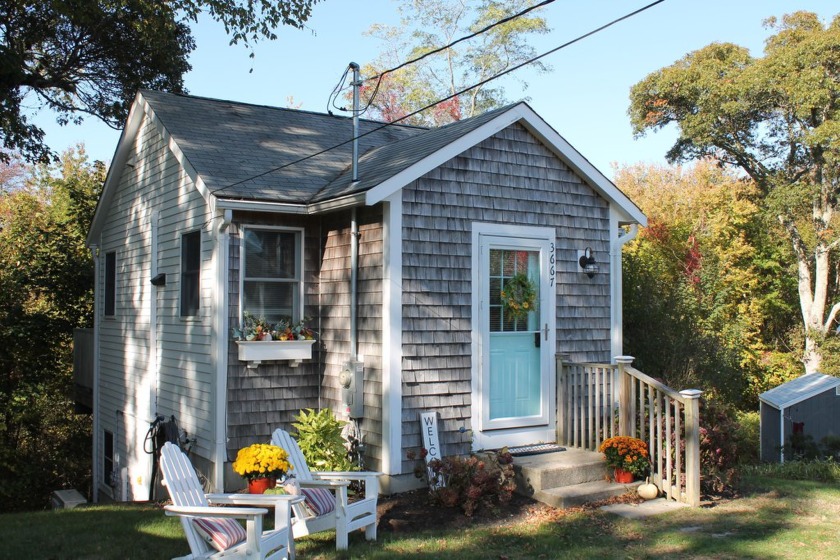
<point x="648" y="490"/>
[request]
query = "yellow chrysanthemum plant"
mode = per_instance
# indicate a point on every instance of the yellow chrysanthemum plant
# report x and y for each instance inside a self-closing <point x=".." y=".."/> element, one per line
<point x="262" y="460"/>
<point x="628" y="453"/>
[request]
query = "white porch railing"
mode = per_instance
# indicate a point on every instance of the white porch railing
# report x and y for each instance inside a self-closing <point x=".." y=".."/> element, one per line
<point x="598" y="401"/>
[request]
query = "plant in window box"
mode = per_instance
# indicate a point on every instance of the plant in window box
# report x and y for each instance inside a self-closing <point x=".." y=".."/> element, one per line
<point x="259" y="340"/>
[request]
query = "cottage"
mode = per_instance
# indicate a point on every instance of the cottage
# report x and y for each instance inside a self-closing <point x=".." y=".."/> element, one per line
<point x="808" y="406"/>
<point x="213" y="208"/>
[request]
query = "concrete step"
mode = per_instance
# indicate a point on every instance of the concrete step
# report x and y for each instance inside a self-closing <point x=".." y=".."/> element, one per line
<point x="567" y="478"/>
<point x="579" y="494"/>
<point x="551" y="470"/>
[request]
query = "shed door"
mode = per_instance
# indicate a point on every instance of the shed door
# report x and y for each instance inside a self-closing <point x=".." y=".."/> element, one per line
<point x="515" y="370"/>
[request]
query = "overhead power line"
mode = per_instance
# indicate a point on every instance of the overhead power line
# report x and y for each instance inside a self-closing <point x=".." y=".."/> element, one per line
<point x="381" y="75"/>
<point x="447" y="98"/>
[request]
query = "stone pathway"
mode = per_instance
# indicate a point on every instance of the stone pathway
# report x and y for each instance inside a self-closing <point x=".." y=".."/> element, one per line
<point x="644" y="509"/>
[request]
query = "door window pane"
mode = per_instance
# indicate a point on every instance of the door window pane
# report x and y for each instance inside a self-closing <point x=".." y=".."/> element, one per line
<point x="509" y="263"/>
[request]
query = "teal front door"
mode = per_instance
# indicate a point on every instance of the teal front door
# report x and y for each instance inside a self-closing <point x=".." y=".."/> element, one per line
<point x="515" y="273"/>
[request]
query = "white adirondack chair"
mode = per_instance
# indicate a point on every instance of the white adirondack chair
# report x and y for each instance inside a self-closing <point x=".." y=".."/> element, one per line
<point x="346" y="517"/>
<point x="189" y="502"/>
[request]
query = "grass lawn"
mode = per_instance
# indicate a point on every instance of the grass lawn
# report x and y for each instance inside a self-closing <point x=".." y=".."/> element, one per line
<point x="775" y="519"/>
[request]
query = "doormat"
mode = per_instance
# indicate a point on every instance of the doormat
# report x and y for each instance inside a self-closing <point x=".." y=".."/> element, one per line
<point x="535" y="449"/>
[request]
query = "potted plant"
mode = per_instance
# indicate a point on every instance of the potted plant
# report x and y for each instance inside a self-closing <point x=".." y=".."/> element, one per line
<point x="262" y="465"/>
<point x="627" y="456"/>
<point x="260" y="340"/>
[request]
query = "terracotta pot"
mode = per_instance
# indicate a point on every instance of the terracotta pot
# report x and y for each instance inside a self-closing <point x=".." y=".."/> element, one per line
<point x="260" y="485"/>
<point x="622" y="476"/>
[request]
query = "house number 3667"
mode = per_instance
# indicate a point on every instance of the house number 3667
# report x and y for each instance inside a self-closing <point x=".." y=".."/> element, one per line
<point x="551" y="269"/>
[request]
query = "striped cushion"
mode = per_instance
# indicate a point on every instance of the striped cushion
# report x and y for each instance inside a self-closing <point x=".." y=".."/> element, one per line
<point x="220" y="533"/>
<point x="319" y="500"/>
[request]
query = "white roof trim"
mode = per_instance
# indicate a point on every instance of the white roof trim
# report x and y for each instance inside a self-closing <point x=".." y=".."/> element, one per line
<point x="121" y="155"/>
<point x="537" y="126"/>
<point x="124" y="152"/>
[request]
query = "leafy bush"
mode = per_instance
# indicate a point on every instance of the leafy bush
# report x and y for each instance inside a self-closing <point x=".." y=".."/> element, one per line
<point x="472" y="482"/>
<point x="718" y="447"/>
<point x="748" y="437"/>
<point x="320" y="440"/>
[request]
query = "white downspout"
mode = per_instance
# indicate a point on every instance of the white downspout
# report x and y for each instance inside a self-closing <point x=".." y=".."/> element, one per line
<point x="221" y="353"/>
<point x="619" y="239"/>
<point x="96" y="451"/>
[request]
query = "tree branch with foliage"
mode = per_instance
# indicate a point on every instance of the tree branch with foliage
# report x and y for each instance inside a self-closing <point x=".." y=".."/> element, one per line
<point x="429" y="25"/>
<point x="777" y="118"/>
<point x="89" y="57"/>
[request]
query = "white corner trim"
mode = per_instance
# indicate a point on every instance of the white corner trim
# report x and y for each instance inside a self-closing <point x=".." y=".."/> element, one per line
<point x="219" y="347"/>
<point x="392" y="336"/>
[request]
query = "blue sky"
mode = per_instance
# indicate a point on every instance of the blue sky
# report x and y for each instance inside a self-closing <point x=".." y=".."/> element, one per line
<point x="584" y="98"/>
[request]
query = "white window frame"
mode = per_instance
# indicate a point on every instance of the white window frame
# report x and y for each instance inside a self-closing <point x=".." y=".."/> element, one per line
<point x="299" y="260"/>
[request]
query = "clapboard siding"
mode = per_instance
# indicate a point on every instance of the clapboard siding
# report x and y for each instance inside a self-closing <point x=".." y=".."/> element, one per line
<point x="510" y="178"/>
<point x="156" y="183"/>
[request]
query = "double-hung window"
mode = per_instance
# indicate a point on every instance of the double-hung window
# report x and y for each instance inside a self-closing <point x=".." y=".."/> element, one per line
<point x="272" y="273"/>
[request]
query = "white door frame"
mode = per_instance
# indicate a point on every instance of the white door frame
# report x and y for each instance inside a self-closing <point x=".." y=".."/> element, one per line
<point x="484" y="438"/>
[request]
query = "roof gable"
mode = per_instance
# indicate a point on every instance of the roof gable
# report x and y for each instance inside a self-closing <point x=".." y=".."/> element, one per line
<point x="426" y="151"/>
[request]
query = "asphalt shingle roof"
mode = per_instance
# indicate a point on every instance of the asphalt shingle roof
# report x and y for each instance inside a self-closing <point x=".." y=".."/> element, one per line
<point x="799" y="389"/>
<point x="251" y="152"/>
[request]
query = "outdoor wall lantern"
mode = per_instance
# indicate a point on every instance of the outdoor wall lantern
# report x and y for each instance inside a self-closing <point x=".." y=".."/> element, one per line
<point x="587" y="262"/>
<point x="159" y="280"/>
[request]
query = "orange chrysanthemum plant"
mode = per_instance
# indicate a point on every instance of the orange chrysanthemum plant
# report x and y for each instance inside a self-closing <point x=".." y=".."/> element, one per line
<point x="628" y="453"/>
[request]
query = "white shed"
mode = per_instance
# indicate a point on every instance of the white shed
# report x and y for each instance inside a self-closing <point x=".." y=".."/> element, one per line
<point x="810" y="403"/>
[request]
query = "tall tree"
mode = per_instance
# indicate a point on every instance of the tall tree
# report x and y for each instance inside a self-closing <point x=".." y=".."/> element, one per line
<point x="776" y="118"/>
<point x="428" y="25"/>
<point x="707" y="301"/>
<point x="46" y="290"/>
<point x="89" y="57"/>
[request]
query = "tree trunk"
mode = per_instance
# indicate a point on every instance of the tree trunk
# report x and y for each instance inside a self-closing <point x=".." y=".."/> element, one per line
<point x="813" y="293"/>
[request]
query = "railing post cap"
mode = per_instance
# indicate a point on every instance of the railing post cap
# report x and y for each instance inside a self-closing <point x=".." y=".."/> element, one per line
<point x="624" y="359"/>
<point x="691" y="393"/>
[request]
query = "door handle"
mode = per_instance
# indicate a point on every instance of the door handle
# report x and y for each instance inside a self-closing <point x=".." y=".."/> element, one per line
<point x="545" y="329"/>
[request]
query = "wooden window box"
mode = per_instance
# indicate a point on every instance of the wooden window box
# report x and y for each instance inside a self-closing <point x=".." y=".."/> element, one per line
<point x="255" y="352"/>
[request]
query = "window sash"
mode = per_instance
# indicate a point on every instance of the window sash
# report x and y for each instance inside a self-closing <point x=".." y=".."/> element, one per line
<point x="110" y="284"/>
<point x="190" y="273"/>
<point x="271" y="285"/>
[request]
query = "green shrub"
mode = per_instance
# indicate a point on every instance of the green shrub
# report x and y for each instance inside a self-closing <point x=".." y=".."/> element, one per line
<point x="748" y="437"/>
<point x="320" y="440"/>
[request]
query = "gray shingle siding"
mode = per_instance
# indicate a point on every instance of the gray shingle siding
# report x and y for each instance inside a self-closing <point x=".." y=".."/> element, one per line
<point x="508" y="178"/>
